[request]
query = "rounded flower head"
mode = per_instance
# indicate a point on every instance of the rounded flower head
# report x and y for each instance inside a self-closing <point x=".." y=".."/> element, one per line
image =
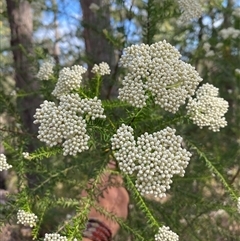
<point x="3" y="163"/>
<point x="101" y="69"/>
<point x="26" y="218"/>
<point x="93" y="107"/>
<point x="154" y="157"/>
<point x="207" y="109"/>
<point x="54" y="237"/>
<point x="26" y="155"/>
<point x="165" y="234"/>
<point x="50" y="119"/>
<point x="237" y="72"/>
<point x="123" y="141"/>
<point x="190" y="9"/>
<point x="69" y="79"/>
<point x="65" y="124"/>
<point x="158" y="69"/>
<point x="238" y="205"/>
<point x="229" y="33"/>
<point x="94" y="7"/>
<point x="45" y="71"/>
<point x="160" y="156"/>
<point x="236" y="12"/>
<point x="135" y="59"/>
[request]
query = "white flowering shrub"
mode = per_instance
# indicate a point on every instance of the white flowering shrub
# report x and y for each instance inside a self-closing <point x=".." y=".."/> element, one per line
<point x="238" y="205"/>
<point x="26" y="218"/>
<point x="158" y="69"/>
<point x="189" y="9"/>
<point x="208" y="109"/>
<point x="46" y="70"/>
<point x="101" y="69"/>
<point x="165" y="234"/>
<point x="54" y="237"/>
<point x="154" y="157"/>
<point x="25" y="155"/>
<point x="237" y="72"/>
<point x="167" y="113"/>
<point x="229" y="33"/>
<point x="3" y="163"/>
<point x="69" y="79"/>
<point x="236" y="12"/>
<point x="66" y="122"/>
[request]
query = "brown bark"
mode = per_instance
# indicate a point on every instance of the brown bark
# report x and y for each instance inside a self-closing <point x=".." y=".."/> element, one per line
<point x="21" y="25"/>
<point x="97" y="47"/>
<point x="227" y="16"/>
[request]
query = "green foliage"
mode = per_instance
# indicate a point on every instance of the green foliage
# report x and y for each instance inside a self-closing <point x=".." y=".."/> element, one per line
<point x="199" y="206"/>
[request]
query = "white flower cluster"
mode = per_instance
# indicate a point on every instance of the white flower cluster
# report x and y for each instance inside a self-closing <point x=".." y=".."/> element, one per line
<point x="165" y="234"/>
<point x="54" y="237"/>
<point x="101" y="69"/>
<point x="238" y="205"/>
<point x="158" y="69"/>
<point x="26" y="155"/>
<point x="69" y="79"/>
<point x="26" y="218"/>
<point x="123" y="141"/>
<point x="13" y="93"/>
<point x="65" y="123"/>
<point x="155" y="157"/>
<point x="93" y="107"/>
<point x="229" y="33"/>
<point x="236" y="12"/>
<point x="237" y="71"/>
<point x="206" y="47"/>
<point x="219" y="45"/>
<point x="94" y="7"/>
<point x="45" y="71"/>
<point x="210" y="54"/>
<point x="207" y="109"/>
<point x="190" y="9"/>
<point x="3" y="163"/>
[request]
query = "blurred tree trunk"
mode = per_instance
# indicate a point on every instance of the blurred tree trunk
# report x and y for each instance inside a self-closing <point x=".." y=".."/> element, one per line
<point x="97" y="47"/>
<point x="56" y="48"/>
<point x="21" y="25"/>
<point x="227" y="24"/>
<point x="227" y="16"/>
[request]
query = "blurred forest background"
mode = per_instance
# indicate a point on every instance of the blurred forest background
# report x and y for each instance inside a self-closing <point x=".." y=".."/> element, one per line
<point x="198" y="206"/>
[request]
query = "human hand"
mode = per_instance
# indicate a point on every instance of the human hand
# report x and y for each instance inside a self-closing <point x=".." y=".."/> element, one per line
<point x="113" y="199"/>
